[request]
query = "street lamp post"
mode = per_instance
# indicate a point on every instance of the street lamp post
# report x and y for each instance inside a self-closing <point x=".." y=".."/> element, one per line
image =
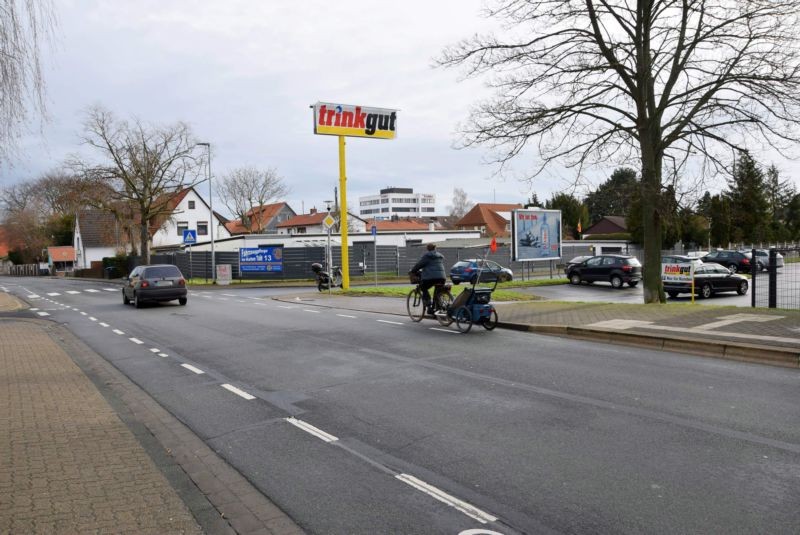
<point x="211" y="222"/>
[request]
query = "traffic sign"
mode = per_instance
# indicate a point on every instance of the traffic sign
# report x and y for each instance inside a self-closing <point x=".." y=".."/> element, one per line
<point x="328" y="222"/>
<point x="374" y="230"/>
<point x="189" y="236"/>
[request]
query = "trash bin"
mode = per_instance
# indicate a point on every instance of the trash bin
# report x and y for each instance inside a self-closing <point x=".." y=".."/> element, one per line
<point x="111" y="272"/>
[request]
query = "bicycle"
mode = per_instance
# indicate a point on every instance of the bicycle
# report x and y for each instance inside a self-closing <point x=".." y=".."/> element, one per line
<point x="442" y="299"/>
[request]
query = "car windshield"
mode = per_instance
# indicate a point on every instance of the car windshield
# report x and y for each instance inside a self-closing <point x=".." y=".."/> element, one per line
<point x="161" y="272"/>
<point x="461" y="264"/>
<point x="633" y="262"/>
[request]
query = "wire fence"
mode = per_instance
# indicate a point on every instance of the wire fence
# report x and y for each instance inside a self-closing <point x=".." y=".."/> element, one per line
<point x="775" y="278"/>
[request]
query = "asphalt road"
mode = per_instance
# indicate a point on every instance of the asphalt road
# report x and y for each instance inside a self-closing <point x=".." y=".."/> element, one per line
<point x="361" y="423"/>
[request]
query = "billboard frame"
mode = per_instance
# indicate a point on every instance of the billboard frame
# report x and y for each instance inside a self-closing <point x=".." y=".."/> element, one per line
<point x="523" y="229"/>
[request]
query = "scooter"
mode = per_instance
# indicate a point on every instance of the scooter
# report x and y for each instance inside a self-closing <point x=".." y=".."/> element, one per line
<point x="324" y="279"/>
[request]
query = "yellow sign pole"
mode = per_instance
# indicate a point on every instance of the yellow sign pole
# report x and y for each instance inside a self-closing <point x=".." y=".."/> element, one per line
<point x="343" y="217"/>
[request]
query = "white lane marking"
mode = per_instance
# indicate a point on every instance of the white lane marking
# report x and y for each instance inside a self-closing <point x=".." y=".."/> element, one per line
<point x="92" y="318"/>
<point x="155" y="350"/>
<point x="229" y="295"/>
<point x="84" y="314"/>
<point x="103" y="324"/>
<point x="43" y="313"/>
<point x="33" y="296"/>
<point x="91" y="290"/>
<point x="117" y="331"/>
<point x="308" y="428"/>
<point x="136" y="341"/>
<point x="286" y="307"/>
<point x="222" y="298"/>
<point x="110" y="289"/>
<point x="312" y="311"/>
<point x="471" y="511"/>
<point x="240" y="301"/>
<point x="238" y="392"/>
<point x="72" y="292"/>
<point x="444" y="330"/>
<point x="163" y="355"/>
<point x="189" y="367"/>
<point x="53" y="294"/>
<point x="479" y="532"/>
<point x="262" y="304"/>
<point x="34" y="309"/>
<point x="76" y="309"/>
<point x="391" y="322"/>
<point x="346" y="316"/>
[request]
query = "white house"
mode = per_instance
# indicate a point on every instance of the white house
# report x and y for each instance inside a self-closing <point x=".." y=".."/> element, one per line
<point x="189" y="211"/>
<point x="97" y="235"/>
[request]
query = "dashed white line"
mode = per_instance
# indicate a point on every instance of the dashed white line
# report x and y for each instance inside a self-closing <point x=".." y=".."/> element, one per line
<point x="117" y="331"/>
<point x="189" y="367"/>
<point x="155" y="350"/>
<point x="84" y="314"/>
<point x="444" y="330"/>
<point x="92" y="290"/>
<point x="312" y="311"/>
<point x="103" y="324"/>
<point x="53" y="294"/>
<point x="240" y="301"/>
<point x="75" y="309"/>
<point x="33" y="296"/>
<point x="471" y="511"/>
<point x="43" y="313"/>
<point x="34" y="309"/>
<point x="136" y="341"/>
<point x="391" y="322"/>
<point x="347" y="316"/>
<point x="72" y="292"/>
<point x="286" y="307"/>
<point x="308" y="428"/>
<point x="222" y="298"/>
<point x="163" y="355"/>
<point x="229" y="295"/>
<point x="238" y="392"/>
<point x="92" y="318"/>
<point x="110" y="289"/>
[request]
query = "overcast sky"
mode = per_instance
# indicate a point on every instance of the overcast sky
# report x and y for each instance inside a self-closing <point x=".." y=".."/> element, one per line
<point x="243" y="74"/>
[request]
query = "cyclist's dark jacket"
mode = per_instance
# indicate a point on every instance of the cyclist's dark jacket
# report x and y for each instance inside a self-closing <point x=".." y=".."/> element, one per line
<point x="432" y="266"/>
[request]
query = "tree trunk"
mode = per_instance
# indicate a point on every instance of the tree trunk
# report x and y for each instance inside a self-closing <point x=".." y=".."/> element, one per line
<point x="651" y="224"/>
<point x="144" y="239"/>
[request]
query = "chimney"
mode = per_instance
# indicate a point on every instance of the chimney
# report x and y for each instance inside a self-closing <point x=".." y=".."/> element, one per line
<point x="312" y="211"/>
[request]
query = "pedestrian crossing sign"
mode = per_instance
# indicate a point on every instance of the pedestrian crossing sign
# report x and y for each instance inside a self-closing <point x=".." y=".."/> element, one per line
<point x="189" y="236"/>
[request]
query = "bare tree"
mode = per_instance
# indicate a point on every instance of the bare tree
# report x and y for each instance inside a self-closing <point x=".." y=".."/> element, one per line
<point x="461" y="204"/>
<point x="245" y="189"/>
<point x="24" y="26"/>
<point x="598" y="82"/>
<point x="143" y="167"/>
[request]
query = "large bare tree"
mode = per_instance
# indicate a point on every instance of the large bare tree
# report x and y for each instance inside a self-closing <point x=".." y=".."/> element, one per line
<point x="142" y="167"/>
<point x="24" y="26"/>
<point x="662" y="82"/>
<point x="245" y="189"/>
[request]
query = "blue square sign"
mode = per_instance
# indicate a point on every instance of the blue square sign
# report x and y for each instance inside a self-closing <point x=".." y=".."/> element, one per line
<point x="189" y="236"/>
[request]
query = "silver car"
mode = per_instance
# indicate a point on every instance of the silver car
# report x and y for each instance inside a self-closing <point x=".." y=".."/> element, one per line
<point x="762" y="259"/>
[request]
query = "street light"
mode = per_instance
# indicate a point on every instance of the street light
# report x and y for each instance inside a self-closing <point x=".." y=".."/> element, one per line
<point x="211" y="222"/>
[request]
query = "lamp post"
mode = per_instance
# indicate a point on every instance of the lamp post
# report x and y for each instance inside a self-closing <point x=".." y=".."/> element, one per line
<point x="211" y="222"/>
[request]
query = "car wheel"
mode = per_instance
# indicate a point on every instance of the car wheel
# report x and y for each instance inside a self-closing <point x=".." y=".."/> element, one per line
<point x="616" y="281"/>
<point x="673" y="295"/>
<point x="125" y="300"/>
<point x="633" y="284"/>
<point x="760" y="266"/>
<point x="706" y="291"/>
<point x="742" y="289"/>
<point x="136" y="301"/>
<point x="575" y="279"/>
<point x="733" y="268"/>
<point x="182" y="301"/>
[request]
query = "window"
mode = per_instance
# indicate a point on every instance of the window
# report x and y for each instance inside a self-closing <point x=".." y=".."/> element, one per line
<point x="202" y="228"/>
<point x="609" y="261"/>
<point x="191" y="205"/>
<point x="162" y="272"/>
<point x="300" y="230"/>
<point x="594" y="261"/>
<point x="182" y="225"/>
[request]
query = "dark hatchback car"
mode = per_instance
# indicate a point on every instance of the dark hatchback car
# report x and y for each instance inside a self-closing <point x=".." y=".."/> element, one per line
<point x="709" y="278"/>
<point x="616" y="269"/>
<point x="467" y="271"/>
<point x="733" y="260"/>
<point x="162" y="282"/>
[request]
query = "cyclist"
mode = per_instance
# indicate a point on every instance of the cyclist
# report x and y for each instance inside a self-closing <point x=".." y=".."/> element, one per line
<point x="431" y="266"/>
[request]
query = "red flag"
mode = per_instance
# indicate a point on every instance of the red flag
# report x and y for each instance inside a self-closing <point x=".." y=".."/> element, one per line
<point x="493" y="246"/>
<point x="579" y="226"/>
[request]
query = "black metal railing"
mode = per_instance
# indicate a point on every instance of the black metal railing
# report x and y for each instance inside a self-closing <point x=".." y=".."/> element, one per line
<point x="775" y="278"/>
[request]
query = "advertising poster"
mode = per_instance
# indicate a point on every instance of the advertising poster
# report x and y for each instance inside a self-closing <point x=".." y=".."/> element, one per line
<point x="536" y="234"/>
<point x="677" y="272"/>
<point x="333" y="119"/>
<point x="261" y="260"/>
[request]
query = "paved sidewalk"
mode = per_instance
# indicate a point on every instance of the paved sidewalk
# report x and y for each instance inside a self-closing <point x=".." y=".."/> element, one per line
<point x="758" y="335"/>
<point x="74" y="459"/>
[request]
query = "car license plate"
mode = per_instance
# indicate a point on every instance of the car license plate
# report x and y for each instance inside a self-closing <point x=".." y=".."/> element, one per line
<point x="163" y="283"/>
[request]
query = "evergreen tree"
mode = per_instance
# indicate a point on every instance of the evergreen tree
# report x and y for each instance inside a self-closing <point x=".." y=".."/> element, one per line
<point x="572" y="211"/>
<point x="779" y="193"/>
<point x="749" y="205"/>
<point x="614" y="196"/>
<point x="533" y="201"/>
<point x="793" y="218"/>
<point x="720" y="219"/>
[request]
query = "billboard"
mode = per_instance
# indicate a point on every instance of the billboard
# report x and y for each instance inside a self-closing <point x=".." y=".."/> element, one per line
<point x="263" y="259"/>
<point x="683" y="272"/>
<point x="354" y="121"/>
<point x="536" y="234"/>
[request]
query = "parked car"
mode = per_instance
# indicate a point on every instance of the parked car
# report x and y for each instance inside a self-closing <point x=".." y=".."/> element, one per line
<point x="467" y="271"/>
<point x="575" y="261"/>
<point x="709" y="278"/>
<point x="616" y="269"/>
<point x="733" y="260"/>
<point x="762" y="259"/>
<point x="158" y="282"/>
<point x="680" y="259"/>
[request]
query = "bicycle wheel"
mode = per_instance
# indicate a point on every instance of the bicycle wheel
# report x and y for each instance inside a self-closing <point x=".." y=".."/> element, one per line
<point x="416" y="310"/>
<point x="490" y="322"/>
<point x="463" y="319"/>
<point x="442" y="310"/>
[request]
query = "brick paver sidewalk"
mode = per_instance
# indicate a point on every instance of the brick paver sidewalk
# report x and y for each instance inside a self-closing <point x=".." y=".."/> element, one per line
<point x="68" y="463"/>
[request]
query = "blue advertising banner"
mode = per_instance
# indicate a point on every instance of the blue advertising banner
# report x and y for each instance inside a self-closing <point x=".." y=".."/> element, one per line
<point x="536" y="234"/>
<point x="265" y="259"/>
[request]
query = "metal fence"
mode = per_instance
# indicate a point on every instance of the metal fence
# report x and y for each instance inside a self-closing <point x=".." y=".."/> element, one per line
<point x="778" y="285"/>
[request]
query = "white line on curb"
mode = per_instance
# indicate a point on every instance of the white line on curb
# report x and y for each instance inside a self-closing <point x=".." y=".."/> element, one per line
<point x="391" y="322"/>
<point x="117" y="331"/>
<point x="469" y="510"/>
<point x="189" y="367"/>
<point x="308" y="428"/>
<point x="135" y="341"/>
<point x="238" y="392"/>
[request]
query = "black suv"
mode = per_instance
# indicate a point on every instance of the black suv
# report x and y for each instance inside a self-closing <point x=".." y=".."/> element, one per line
<point x="733" y="260"/>
<point x="613" y="268"/>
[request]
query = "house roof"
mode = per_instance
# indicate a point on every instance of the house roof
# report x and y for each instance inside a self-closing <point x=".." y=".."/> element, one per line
<point x="486" y="214"/>
<point x="260" y="216"/>
<point x="399" y="224"/>
<point x="98" y="228"/>
<point x="609" y="224"/>
<point x="304" y="220"/>
<point x="4" y="246"/>
<point x="65" y="253"/>
<point x="171" y="204"/>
